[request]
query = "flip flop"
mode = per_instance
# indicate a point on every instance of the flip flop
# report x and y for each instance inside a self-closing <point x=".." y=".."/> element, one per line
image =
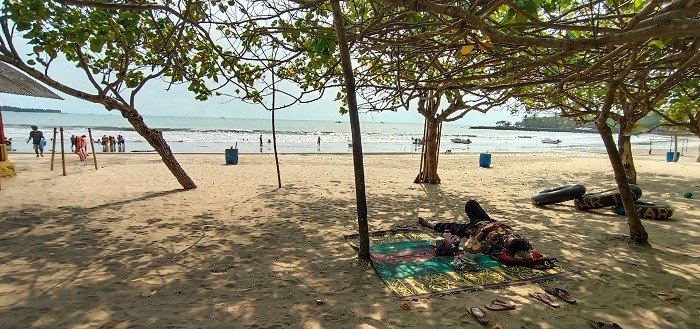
<point x="561" y="294"/>
<point x="603" y="325"/>
<point x="544" y="298"/>
<point x="499" y="305"/>
<point x="479" y="314"/>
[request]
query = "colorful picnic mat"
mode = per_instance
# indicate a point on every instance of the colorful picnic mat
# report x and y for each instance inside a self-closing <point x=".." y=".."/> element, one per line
<point x="408" y="265"/>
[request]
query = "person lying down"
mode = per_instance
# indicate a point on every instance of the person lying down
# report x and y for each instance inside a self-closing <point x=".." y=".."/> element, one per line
<point x="485" y="235"/>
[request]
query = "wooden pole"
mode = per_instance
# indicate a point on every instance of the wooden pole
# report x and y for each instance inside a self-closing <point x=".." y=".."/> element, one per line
<point x="274" y="134"/>
<point x="63" y="154"/>
<point x="358" y="163"/>
<point x="53" y="148"/>
<point x="92" y="146"/>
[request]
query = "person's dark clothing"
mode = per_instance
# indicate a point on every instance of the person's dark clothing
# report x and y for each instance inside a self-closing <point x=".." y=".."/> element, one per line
<point x="474" y="212"/>
<point x="36" y="136"/>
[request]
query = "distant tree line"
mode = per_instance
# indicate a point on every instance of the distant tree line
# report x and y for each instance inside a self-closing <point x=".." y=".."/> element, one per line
<point x="21" y="109"/>
<point x="651" y="122"/>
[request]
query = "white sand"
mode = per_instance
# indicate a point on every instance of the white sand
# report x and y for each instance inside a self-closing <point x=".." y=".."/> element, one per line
<point x="123" y="246"/>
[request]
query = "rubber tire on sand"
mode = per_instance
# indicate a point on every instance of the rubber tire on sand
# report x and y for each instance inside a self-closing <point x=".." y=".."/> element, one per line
<point x="605" y="198"/>
<point x="558" y="195"/>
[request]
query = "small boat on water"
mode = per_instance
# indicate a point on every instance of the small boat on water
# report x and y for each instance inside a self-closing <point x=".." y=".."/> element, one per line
<point x="461" y="140"/>
<point x="525" y="136"/>
<point x="551" y="141"/>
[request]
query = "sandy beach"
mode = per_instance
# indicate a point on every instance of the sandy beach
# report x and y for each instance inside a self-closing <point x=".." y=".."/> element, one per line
<point x="124" y="246"/>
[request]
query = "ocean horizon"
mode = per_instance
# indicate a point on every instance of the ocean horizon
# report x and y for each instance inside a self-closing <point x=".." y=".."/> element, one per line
<point x="213" y="135"/>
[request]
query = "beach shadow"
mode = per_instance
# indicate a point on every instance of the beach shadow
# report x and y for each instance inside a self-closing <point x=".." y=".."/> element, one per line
<point x="265" y="263"/>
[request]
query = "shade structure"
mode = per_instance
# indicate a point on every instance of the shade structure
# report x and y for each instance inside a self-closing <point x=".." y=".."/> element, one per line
<point x="14" y="82"/>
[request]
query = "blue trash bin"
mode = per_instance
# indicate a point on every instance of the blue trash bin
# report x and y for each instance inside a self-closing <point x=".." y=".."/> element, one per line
<point x="484" y="160"/>
<point x="672" y="156"/>
<point x="232" y="156"/>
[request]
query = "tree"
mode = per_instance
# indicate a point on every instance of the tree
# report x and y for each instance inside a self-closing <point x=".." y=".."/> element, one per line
<point x="119" y="53"/>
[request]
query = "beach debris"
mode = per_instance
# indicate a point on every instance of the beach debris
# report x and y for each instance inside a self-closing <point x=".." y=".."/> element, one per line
<point x="405" y="306"/>
<point x="498" y="326"/>
<point x="148" y="294"/>
<point x="320" y="302"/>
<point x="688" y="195"/>
<point x="665" y="295"/>
<point x="603" y="325"/>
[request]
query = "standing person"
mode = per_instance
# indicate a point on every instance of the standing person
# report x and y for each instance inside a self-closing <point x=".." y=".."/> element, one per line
<point x="80" y="148"/>
<point x="85" y="142"/>
<point x="72" y="142"/>
<point x="112" y="144"/>
<point x="104" y="142"/>
<point x="120" y="143"/>
<point x="318" y="142"/>
<point x="36" y="136"/>
<point x="261" y="144"/>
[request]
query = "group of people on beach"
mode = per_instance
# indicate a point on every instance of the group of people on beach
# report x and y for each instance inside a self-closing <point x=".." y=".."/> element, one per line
<point x="112" y="144"/>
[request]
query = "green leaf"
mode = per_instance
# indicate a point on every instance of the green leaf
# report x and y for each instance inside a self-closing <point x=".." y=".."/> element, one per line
<point x="658" y="44"/>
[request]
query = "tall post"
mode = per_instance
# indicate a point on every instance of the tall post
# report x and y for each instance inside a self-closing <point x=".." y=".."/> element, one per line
<point x="349" y="78"/>
<point x="53" y="148"/>
<point x="92" y="146"/>
<point x="274" y="134"/>
<point x="63" y="154"/>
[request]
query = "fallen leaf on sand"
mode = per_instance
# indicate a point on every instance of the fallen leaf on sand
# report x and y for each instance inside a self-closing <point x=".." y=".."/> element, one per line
<point x="665" y="295"/>
<point x="320" y="302"/>
<point x="405" y="306"/>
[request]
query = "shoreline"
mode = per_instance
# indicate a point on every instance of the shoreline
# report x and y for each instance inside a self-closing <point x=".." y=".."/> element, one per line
<point x="655" y="151"/>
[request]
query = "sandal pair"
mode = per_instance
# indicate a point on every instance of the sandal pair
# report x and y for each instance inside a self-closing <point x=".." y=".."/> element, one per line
<point x="557" y="292"/>
<point x="496" y="305"/>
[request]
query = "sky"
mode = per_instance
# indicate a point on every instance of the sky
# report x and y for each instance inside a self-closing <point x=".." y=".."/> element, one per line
<point x="156" y="100"/>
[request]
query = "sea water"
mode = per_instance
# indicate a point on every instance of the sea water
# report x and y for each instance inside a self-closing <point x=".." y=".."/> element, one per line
<point x="213" y="135"/>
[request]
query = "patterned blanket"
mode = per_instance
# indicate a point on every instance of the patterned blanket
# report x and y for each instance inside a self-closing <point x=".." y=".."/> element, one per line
<point x="408" y="265"/>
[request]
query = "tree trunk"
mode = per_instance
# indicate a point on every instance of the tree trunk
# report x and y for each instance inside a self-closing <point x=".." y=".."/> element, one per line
<point x="155" y="139"/>
<point x="625" y="148"/>
<point x="358" y="163"/>
<point x="431" y="150"/>
<point x="637" y="232"/>
<point x="274" y="134"/>
<point x="675" y="142"/>
<point x="274" y="146"/>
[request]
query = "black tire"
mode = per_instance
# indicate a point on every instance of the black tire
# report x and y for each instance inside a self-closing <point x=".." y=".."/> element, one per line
<point x="558" y="194"/>
<point x="648" y="210"/>
<point x="605" y="199"/>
